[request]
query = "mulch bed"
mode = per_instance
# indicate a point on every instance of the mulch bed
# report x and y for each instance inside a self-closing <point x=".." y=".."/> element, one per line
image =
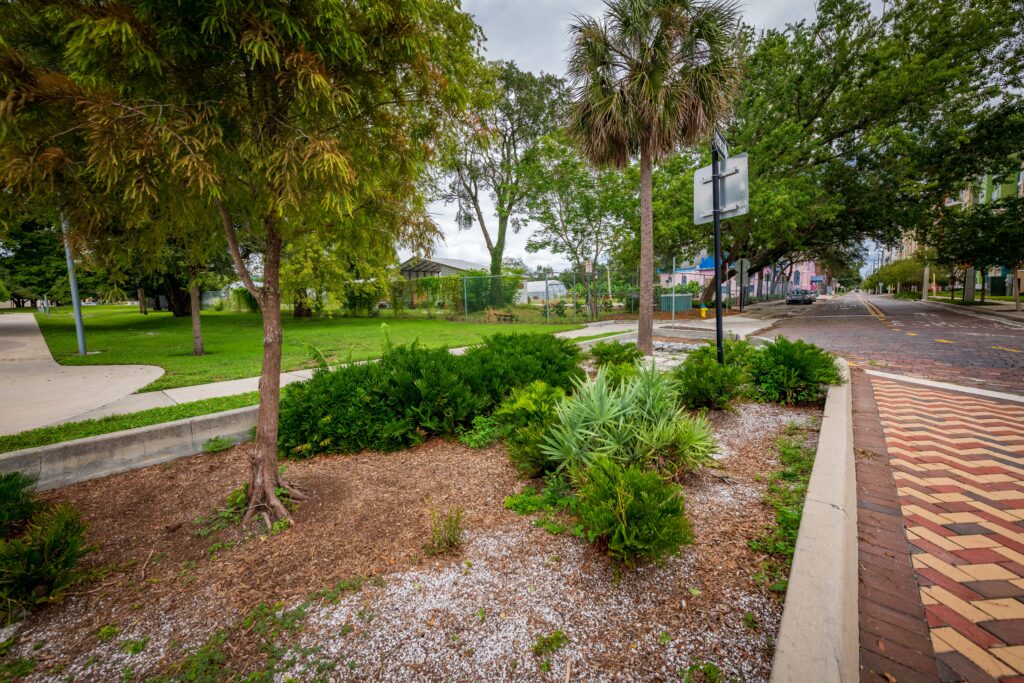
<point x="368" y="515"/>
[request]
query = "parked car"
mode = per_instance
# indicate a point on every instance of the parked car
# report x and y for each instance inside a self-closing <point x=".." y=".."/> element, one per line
<point x="799" y="296"/>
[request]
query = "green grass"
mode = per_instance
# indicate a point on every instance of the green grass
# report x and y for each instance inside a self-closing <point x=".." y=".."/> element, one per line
<point x="233" y="341"/>
<point x="45" y="436"/>
<point x="959" y="294"/>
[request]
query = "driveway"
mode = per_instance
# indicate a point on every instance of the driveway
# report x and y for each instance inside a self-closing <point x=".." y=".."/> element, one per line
<point x="35" y="391"/>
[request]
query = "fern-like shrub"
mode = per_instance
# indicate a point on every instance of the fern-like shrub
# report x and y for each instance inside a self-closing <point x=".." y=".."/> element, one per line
<point x="523" y="419"/>
<point x="700" y="382"/>
<point x="785" y="371"/>
<point x="413" y="392"/>
<point x="634" y="513"/>
<point x="637" y="423"/>
<point x="614" y="353"/>
<point x="40" y="549"/>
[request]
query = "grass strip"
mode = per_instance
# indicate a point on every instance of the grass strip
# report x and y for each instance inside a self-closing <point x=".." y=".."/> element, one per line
<point x="44" y="436"/>
<point x="787" y="490"/>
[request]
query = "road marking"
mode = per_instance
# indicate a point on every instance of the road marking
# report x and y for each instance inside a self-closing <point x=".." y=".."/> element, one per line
<point x="943" y="341"/>
<point x="1003" y="348"/>
<point x="911" y="334"/>
<point x="946" y="385"/>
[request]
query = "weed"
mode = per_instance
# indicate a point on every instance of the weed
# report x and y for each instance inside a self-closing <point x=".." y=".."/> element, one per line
<point x="333" y="595"/>
<point x="485" y="431"/>
<point x="750" y="620"/>
<point x="230" y="514"/>
<point x="18" y="667"/>
<point x="128" y="674"/>
<point x="445" y="531"/>
<point x="664" y="638"/>
<point x="702" y="672"/>
<point x="550" y="525"/>
<point x="695" y="592"/>
<point x="481" y="614"/>
<point x="107" y="633"/>
<point x="550" y="644"/>
<point x="134" y="647"/>
<point x="218" y="444"/>
<point x="278" y="526"/>
<point x="347" y="629"/>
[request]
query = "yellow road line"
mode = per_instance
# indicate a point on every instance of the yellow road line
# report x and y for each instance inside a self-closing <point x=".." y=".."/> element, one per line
<point x="911" y="334"/>
<point x="1003" y="348"/>
<point x="943" y="341"/>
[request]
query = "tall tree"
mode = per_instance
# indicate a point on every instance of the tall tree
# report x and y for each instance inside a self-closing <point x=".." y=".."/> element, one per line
<point x="486" y="160"/>
<point x="275" y="116"/>
<point x="649" y="77"/>
<point x="578" y="210"/>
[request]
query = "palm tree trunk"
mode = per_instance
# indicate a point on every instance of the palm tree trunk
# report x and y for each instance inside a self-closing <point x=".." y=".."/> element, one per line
<point x="645" y="329"/>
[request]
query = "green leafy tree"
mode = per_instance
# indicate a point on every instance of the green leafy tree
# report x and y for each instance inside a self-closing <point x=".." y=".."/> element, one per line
<point x="649" y="77"/>
<point x="489" y="153"/>
<point x="276" y="117"/>
<point x="32" y="262"/>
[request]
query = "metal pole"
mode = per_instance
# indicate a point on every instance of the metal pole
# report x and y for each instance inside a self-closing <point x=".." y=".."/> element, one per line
<point x="73" y="281"/>
<point x="716" y="196"/>
<point x="465" y="300"/>
<point x="673" y="281"/>
<point x="547" y="300"/>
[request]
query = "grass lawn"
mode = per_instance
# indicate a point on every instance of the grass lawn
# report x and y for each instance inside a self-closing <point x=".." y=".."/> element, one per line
<point x="233" y="341"/>
<point x="959" y="294"/>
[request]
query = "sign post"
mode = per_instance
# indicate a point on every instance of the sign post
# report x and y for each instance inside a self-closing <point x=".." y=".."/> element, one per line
<point x="742" y="279"/>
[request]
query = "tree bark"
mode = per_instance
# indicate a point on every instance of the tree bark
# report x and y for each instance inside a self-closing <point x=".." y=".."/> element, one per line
<point x="197" y="326"/>
<point x="645" y="326"/>
<point x="142" y="301"/>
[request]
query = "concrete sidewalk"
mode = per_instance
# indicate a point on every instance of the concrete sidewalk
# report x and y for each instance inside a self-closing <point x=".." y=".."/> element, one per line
<point x="129" y="402"/>
<point x="36" y="391"/>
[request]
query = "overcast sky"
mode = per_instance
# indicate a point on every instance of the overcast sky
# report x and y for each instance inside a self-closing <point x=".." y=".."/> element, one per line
<point x="532" y="33"/>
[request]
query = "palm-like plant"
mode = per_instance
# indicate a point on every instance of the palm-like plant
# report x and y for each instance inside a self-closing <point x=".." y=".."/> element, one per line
<point x="649" y="77"/>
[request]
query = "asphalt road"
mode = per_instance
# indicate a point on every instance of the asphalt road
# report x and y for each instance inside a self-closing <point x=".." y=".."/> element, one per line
<point x="913" y="338"/>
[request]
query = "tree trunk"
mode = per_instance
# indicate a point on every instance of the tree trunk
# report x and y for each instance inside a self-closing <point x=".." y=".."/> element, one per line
<point x="197" y="326"/>
<point x="1016" y="286"/>
<point x="265" y="480"/>
<point x="177" y="296"/>
<point x="645" y="326"/>
<point x="142" y="301"/>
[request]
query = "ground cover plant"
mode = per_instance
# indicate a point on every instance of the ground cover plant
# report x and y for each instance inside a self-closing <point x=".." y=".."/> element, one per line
<point x="614" y="353"/>
<point x="413" y="391"/>
<point x="233" y="341"/>
<point x="787" y="490"/>
<point x="44" y="436"/>
<point x="41" y="546"/>
<point x="792" y="371"/>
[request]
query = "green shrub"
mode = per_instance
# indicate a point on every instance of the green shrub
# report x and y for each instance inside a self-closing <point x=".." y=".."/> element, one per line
<point x="735" y="352"/>
<point x="614" y="353"/>
<point x="555" y="496"/>
<point x="636" y="423"/>
<point x="17" y="501"/>
<point x="523" y="419"/>
<point x="506" y="361"/>
<point x="485" y="431"/>
<point x="632" y="511"/>
<point x="619" y="373"/>
<point x="41" y="563"/>
<point x="700" y="382"/>
<point x="790" y="372"/>
<point x="218" y="444"/>
<point x="412" y="392"/>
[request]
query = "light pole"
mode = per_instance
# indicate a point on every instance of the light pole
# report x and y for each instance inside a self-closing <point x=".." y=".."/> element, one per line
<point x="76" y="304"/>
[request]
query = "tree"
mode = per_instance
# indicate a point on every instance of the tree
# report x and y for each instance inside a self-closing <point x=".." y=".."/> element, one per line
<point x="576" y="207"/>
<point x="32" y="262"/>
<point x="647" y="78"/>
<point x="278" y="117"/>
<point x="487" y="157"/>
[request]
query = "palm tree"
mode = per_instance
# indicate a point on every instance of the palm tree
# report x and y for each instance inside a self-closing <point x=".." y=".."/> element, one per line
<point x="649" y="77"/>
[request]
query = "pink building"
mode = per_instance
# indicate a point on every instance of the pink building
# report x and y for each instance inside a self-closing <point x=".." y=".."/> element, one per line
<point x="802" y="275"/>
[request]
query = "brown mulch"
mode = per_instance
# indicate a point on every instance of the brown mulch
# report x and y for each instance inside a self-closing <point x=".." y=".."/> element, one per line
<point x="368" y="516"/>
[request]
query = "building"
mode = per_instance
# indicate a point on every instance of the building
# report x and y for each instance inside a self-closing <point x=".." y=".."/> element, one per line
<point x="536" y="291"/>
<point x="417" y="267"/>
<point x="778" y="278"/>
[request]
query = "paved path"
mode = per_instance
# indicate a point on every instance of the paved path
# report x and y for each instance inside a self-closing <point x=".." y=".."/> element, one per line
<point x="940" y="486"/>
<point x="36" y="391"/>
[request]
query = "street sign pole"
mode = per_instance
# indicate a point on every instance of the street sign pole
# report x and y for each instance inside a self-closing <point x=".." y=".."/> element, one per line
<point x="716" y="192"/>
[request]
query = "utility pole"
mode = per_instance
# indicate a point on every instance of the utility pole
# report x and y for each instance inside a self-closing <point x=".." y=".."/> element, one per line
<point x="76" y="304"/>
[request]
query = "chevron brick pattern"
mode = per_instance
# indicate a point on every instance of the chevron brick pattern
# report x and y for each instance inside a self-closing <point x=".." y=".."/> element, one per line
<point x="958" y="464"/>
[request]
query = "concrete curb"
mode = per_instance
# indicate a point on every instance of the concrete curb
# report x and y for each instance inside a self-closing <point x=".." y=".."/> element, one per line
<point x="61" y="464"/>
<point x="818" y="639"/>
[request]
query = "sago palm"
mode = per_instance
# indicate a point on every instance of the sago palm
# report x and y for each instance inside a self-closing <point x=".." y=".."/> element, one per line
<point x="649" y="77"/>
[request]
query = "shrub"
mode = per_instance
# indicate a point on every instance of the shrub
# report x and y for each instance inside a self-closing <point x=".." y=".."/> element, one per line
<point x="736" y="352"/>
<point x="792" y="371"/>
<point x="41" y="563"/>
<point x="412" y="392"/>
<point x="636" y="423"/>
<point x="700" y="382"/>
<point x="614" y="353"/>
<point x="619" y="373"/>
<point x="445" y="531"/>
<point x="523" y="419"/>
<point x="506" y="361"/>
<point x="218" y="444"/>
<point x="633" y="512"/>
<point x="485" y="431"/>
<point x="17" y="501"/>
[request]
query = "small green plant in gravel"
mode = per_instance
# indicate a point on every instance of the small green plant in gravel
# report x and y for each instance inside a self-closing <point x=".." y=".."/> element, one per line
<point x="787" y="490"/>
<point x="545" y="646"/>
<point x="445" y="531"/>
<point x="218" y="444"/>
<point x="137" y="646"/>
<point x="107" y="633"/>
<point x="702" y="672"/>
<point x="750" y="620"/>
<point x="230" y="514"/>
<point x="614" y="353"/>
